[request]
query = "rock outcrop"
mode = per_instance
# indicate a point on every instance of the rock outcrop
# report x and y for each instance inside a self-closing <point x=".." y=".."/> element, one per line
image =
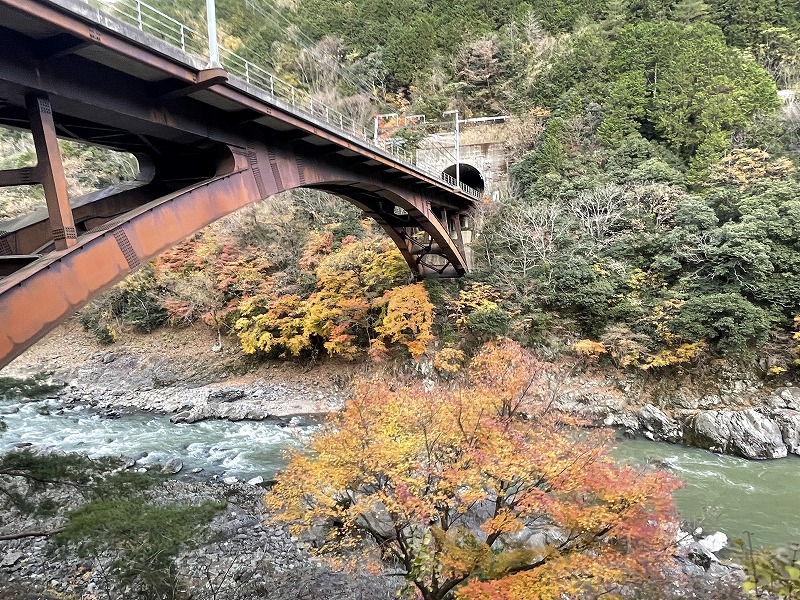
<point x="747" y="433"/>
<point x="655" y="421"/>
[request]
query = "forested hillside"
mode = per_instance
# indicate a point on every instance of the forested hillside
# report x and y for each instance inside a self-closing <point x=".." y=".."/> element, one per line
<point x="654" y="219"/>
<point x="651" y="225"/>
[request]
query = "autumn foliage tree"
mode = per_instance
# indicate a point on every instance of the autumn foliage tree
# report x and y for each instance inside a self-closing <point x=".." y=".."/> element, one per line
<point x="480" y="490"/>
<point x="361" y="298"/>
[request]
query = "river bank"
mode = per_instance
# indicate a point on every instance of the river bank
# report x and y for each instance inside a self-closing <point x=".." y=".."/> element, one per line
<point x="244" y="557"/>
<point x="187" y="373"/>
<point x="192" y="375"/>
<point x="195" y="387"/>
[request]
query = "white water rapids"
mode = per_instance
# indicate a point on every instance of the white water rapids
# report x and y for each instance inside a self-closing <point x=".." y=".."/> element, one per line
<point x="724" y="493"/>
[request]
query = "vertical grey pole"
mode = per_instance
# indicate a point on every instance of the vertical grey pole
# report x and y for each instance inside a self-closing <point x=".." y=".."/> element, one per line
<point x="375" y="137"/>
<point x="213" y="47"/>
<point x="458" y="154"/>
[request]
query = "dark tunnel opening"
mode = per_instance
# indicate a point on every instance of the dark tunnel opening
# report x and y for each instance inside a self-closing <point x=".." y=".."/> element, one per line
<point x="469" y="176"/>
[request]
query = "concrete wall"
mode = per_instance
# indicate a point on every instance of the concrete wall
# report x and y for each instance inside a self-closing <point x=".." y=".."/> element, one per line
<point x="489" y="158"/>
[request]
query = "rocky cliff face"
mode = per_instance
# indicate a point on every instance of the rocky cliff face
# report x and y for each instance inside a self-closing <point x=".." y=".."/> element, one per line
<point x="768" y="429"/>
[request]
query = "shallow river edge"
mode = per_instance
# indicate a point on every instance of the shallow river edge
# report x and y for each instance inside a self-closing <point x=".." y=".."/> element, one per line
<point x="113" y="382"/>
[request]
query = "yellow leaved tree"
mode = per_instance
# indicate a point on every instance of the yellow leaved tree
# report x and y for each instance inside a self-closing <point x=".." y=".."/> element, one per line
<point x="358" y="297"/>
<point x="479" y="490"/>
<point x="407" y="318"/>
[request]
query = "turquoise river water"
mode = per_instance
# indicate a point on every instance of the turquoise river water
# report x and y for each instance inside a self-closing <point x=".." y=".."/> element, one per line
<point x="722" y="493"/>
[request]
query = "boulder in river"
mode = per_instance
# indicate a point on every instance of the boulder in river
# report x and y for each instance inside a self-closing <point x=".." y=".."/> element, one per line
<point x="747" y="433"/>
<point x="174" y="465"/>
<point x="185" y="417"/>
<point x="653" y="419"/>
<point x="789" y="422"/>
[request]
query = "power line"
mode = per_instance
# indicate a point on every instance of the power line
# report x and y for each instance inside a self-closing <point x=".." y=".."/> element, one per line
<point x="307" y="43"/>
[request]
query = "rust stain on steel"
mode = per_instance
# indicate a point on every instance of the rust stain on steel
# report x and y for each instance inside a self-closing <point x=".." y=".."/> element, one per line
<point x="37" y="298"/>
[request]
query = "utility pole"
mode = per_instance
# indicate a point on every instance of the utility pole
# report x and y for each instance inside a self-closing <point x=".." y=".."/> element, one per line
<point x="213" y="45"/>
<point x="458" y="145"/>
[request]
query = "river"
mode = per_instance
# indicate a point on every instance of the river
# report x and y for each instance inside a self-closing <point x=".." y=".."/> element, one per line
<point x="722" y="493"/>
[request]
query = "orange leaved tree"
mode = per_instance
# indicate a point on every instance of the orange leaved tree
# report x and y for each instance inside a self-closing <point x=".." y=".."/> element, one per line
<point x="480" y="491"/>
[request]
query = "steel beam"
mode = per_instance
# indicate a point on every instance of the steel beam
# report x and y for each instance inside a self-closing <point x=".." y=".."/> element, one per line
<point x="36" y="298"/>
<point x="51" y="171"/>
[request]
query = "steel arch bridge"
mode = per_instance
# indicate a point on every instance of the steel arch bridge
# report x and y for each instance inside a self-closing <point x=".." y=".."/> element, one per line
<point x="209" y="141"/>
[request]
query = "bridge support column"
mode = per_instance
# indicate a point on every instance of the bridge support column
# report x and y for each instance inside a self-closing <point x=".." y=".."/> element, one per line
<point x="50" y="171"/>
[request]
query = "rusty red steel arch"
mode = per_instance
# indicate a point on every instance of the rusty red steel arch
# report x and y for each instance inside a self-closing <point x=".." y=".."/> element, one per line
<point x="36" y="298"/>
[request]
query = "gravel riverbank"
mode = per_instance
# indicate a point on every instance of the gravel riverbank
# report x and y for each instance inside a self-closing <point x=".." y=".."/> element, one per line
<point x="245" y="558"/>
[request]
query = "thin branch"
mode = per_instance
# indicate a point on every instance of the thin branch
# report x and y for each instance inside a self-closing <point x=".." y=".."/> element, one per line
<point x="29" y="534"/>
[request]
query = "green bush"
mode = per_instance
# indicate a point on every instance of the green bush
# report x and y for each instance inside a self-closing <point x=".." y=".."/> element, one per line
<point x="732" y="323"/>
<point x="136" y="303"/>
<point x="489" y="323"/>
<point x="142" y="538"/>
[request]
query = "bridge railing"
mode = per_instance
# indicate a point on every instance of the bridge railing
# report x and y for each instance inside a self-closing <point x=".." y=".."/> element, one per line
<point x="152" y="21"/>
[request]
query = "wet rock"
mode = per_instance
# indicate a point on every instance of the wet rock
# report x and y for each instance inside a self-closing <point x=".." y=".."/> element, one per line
<point x="789" y="423"/>
<point x="754" y="435"/>
<point x="665" y="464"/>
<point x="9" y="410"/>
<point x="226" y="395"/>
<point x="747" y="433"/>
<point x="185" y="417"/>
<point x="173" y="465"/>
<point x="255" y="480"/>
<point x="652" y="419"/>
<point x="230" y="480"/>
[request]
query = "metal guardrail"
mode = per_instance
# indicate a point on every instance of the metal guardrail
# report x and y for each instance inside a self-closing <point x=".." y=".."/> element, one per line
<point x="152" y="21"/>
